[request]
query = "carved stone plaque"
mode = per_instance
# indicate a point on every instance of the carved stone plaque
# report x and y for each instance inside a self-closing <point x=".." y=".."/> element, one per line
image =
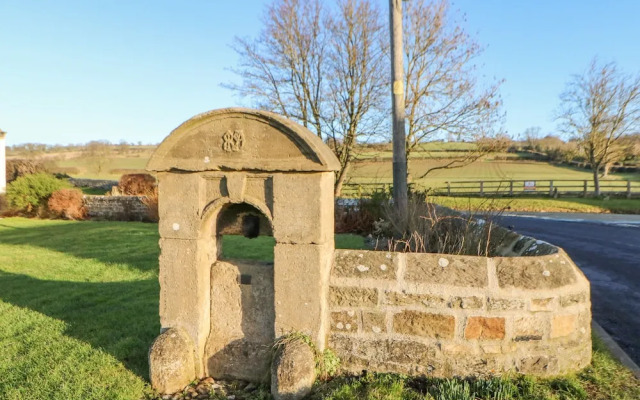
<point x="233" y="141"/>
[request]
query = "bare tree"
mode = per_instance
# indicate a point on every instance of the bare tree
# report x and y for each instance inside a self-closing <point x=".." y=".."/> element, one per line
<point x="324" y="70"/>
<point x="356" y="74"/>
<point x="282" y="70"/>
<point x="600" y="108"/>
<point x="442" y="94"/>
<point x="98" y="152"/>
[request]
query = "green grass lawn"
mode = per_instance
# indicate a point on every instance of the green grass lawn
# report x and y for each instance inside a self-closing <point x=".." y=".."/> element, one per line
<point x="380" y="171"/>
<point x="79" y="310"/>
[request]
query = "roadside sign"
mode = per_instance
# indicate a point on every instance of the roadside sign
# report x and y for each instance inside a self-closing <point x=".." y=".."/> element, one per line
<point x="529" y="186"/>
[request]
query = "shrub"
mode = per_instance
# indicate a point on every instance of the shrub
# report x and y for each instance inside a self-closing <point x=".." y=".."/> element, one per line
<point x="360" y="216"/>
<point x="136" y="184"/>
<point x="20" y="167"/>
<point x="67" y="204"/>
<point x="30" y="193"/>
<point x="151" y="201"/>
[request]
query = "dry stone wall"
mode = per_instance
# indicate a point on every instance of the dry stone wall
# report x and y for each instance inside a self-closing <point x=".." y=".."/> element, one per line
<point x="116" y="208"/>
<point x="445" y="315"/>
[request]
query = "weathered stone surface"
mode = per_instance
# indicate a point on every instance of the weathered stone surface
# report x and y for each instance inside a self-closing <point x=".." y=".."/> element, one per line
<point x="477" y="366"/>
<point x="573" y="299"/>
<point x="365" y="264"/>
<point x="562" y="325"/>
<point x="116" y="208"/>
<point x="544" y="304"/>
<point x="353" y="297"/>
<point x="171" y="361"/>
<point x="242" y="139"/>
<point x="406" y="299"/>
<point x="456" y="348"/>
<point x="301" y="275"/>
<point x="424" y="324"/>
<point x="185" y="288"/>
<point x="303" y="208"/>
<point x="545" y="272"/>
<point x="242" y="321"/>
<point x="293" y="371"/>
<point x="484" y="328"/>
<point x="344" y="321"/>
<point x="494" y="304"/>
<point x="446" y="270"/>
<point x="528" y="328"/>
<point x="383" y="352"/>
<point x="465" y="302"/>
<point x="538" y="365"/>
<point x="179" y="215"/>
<point x="374" y="322"/>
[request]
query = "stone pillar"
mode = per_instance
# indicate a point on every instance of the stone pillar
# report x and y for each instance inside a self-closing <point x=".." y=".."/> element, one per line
<point x="184" y="261"/>
<point x="3" y="163"/>
<point x="303" y="229"/>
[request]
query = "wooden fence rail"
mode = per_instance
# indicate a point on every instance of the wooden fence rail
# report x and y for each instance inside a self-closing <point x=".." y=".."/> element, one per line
<point x="539" y="187"/>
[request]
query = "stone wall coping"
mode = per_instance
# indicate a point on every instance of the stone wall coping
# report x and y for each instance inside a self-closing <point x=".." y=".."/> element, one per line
<point x="399" y="283"/>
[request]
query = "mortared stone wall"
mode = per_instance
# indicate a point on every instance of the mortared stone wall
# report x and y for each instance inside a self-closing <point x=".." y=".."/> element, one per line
<point x="445" y="315"/>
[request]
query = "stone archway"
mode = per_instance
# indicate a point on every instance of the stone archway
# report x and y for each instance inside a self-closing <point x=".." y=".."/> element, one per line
<point x="239" y="156"/>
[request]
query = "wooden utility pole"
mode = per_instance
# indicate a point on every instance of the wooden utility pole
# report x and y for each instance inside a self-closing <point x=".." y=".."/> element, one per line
<point x="397" y="87"/>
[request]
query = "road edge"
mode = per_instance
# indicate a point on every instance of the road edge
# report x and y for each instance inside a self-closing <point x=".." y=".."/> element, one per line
<point x="615" y="349"/>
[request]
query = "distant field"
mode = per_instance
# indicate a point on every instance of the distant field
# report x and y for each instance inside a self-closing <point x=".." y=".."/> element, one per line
<point x="110" y="168"/>
<point x="381" y="172"/>
<point x="373" y="165"/>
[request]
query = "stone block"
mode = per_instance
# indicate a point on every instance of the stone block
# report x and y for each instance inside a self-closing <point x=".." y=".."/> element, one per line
<point x="303" y="208"/>
<point x="353" y="297"/>
<point x="482" y="366"/>
<point x="529" y="328"/>
<point x="382" y="354"/>
<point x="242" y="322"/>
<point x="494" y="304"/>
<point x="543" y="272"/>
<point x="484" y="328"/>
<point x="213" y="185"/>
<point x="179" y="205"/>
<point x="293" y="371"/>
<point x="562" y="325"/>
<point x="409" y="352"/>
<point x="537" y="365"/>
<point x="413" y="299"/>
<point x="344" y="321"/>
<point x="171" y="361"/>
<point x="465" y="302"/>
<point x="365" y="264"/>
<point x="424" y="324"/>
<point x="457" y="348"/>
<point x="185" y="287"/>
<point x="374" y="322"/>
<point x="466" y="271"/>
<point x="301" y="276"/>
<point x="260" y="189"/>
<point x="544" y="304"/>
<point x="573" y="299"/>
<point x="491" y="348"/>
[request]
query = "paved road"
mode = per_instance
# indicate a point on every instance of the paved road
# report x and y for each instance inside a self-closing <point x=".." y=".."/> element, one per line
<point x="608" y="251"/>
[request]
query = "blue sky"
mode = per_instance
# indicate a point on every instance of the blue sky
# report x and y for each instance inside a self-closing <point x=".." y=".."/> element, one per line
<point x="74" y="71"/>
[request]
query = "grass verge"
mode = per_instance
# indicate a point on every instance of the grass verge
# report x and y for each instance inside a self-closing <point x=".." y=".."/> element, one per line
<point x="541" y="204"/>
<point x="79" y="310"/>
